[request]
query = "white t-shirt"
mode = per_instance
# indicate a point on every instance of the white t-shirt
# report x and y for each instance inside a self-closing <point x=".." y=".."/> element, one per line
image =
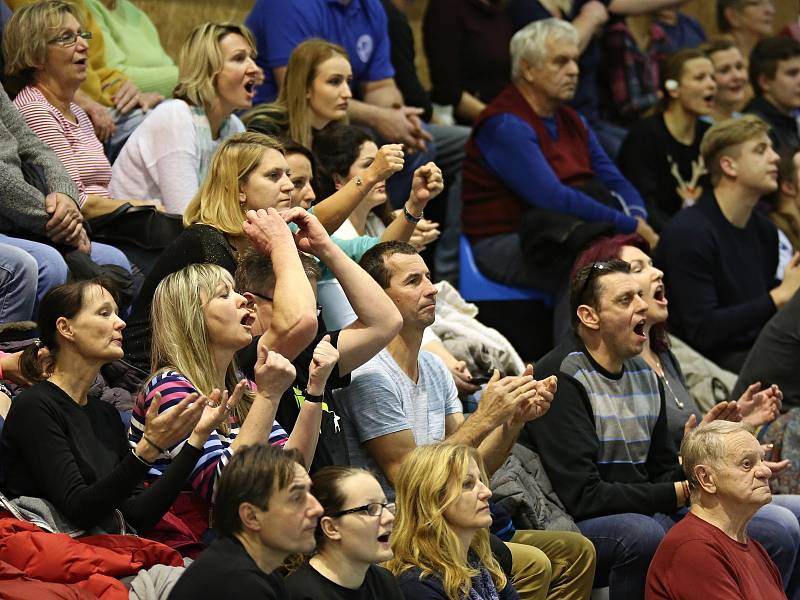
<point x="162" y="157"/>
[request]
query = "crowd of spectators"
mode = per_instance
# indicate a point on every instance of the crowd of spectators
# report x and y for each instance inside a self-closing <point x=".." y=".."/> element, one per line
<point x="230" y="327"/>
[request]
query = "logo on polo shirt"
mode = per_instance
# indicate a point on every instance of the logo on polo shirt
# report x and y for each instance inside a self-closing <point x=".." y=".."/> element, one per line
<point x="364" y="47"/>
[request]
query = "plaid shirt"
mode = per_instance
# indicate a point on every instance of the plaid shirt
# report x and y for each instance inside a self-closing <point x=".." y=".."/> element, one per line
<point x="631" y="86"/>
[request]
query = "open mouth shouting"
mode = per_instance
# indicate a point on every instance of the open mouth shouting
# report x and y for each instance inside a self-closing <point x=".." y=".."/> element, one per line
<point x="638" y="329"/>
<point x="247" y="321"/>
<point x="384" y="537"/>
<point x="658" y="295"/>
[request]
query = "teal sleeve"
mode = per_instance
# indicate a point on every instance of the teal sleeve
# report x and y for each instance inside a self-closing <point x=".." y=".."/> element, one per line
<point x="354" y="248"/>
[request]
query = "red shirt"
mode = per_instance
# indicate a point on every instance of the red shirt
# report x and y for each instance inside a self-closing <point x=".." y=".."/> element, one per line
<point x="697" y="560"/>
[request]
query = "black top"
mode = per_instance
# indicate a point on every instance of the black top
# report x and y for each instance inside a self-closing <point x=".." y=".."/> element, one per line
<point x="718" y="278"/>
<point x="773" y="358"/>
<point x="225" y="571"/>
<point x="196" y="244"/>
<point x="306" y="583"/>
<point x="331" y="447"/>
<point x="783" y="128"/>
<point x="403" y="60"/>
<point x="78" y="458"/>
<point x="466" y="42"/>
<point x="431" y="588"/>
<point x="668" y="174"/>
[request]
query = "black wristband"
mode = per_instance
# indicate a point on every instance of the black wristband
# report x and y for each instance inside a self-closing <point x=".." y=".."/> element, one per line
<point x="411" y="218"/>
<point x="313" y="398"/>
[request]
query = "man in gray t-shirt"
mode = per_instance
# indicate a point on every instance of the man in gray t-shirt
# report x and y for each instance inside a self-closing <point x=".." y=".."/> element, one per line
<point x="402" y="397"/>
<point x="382" y="400"/>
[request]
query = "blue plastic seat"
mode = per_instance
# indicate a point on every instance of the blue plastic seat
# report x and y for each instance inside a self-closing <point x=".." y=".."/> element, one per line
<point x="475" y="286"/>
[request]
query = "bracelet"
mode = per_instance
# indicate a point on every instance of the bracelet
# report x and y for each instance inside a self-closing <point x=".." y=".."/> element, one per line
<point x="149" y="441"/>
<point x="140" y="459"/>
<point x="358" y="180"/>
<point x="685" y="485"/>
<point x="411" y="218"/>
<point x="313" y="397"/>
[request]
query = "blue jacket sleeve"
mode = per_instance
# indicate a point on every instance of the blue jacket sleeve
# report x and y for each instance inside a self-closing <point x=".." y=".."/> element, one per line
<point x="510" y="149"/>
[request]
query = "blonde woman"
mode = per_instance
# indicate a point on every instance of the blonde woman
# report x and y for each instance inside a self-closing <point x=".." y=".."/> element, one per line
<point x="441" y="534"/>
<point x="199" y="324"/>
<point x="167" y="157"/>
<point x="315" y="92"/>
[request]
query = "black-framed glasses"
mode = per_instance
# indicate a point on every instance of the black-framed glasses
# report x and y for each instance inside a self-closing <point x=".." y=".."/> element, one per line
<point x="597" y="267"/>
<point x="70" y="38"/>
<point x="373" y="509"/>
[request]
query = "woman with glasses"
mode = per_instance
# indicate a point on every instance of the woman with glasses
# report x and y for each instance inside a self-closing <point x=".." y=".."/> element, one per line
<point x="46" y="51"/>
<point x="352" y="535"/>
<point x="441" y="539"/>
<point x="199" y="324"/>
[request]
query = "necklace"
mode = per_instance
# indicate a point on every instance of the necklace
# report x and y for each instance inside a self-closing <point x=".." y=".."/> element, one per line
<point x="663" y="377"/>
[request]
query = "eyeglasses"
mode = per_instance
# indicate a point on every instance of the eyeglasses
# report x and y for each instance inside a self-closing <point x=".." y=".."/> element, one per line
<point x="596" y="268"/>
<point x="373" y="509"/>
<point x="70" y="38"/>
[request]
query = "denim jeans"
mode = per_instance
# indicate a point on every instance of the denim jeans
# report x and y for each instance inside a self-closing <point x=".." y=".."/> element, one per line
<point x="49" y="270"/>
<point x="625" y="544"/>
<point x="18" y="282"/>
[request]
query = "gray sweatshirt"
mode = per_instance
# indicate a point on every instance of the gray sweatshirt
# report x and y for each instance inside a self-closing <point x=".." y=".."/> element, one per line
<point x="22" y="205"/>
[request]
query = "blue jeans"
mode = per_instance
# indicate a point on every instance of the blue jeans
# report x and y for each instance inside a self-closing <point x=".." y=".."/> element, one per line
<point x="49" y="271"/>
<point x="18" y="282"/>
<point x="625" y="544"/>
<point x="50" y="268"/>
<point x="777" y="528"/>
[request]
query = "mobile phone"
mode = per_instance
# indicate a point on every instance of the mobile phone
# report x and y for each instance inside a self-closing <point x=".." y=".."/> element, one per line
<point x="482" y="377"/>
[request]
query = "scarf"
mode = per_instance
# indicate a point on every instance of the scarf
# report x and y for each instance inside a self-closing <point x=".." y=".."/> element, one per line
<point x="205" y="143"/>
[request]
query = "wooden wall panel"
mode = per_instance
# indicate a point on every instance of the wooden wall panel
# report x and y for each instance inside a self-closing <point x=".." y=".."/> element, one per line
<point x="175" y="18"/>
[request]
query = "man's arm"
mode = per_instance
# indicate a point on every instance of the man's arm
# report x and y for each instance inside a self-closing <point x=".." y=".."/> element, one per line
<point x="384" y="110"/>
<point x="641" y="7"/>
<point x="24" y="205"/>
<point x="389" y="451"/>
<point x="294" y="317"/>
<point x="511" y="150"/>
<point x="378" y="320"/>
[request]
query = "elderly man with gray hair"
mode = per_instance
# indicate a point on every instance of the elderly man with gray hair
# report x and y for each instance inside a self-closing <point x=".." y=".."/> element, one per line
<point x="537" y="184"/>
<point x="708" y="554"/>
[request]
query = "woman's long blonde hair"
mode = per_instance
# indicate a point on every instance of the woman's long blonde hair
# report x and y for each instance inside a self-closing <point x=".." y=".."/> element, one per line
<point x="217" y="202"/>
<point x="429" y="481"/>
<point x="290" y="110"/>
<point x="180" y="339"/>
<point x="201" y="59"/>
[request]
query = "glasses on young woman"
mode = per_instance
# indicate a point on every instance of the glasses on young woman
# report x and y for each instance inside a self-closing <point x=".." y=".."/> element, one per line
<point x="373" y="509"/>
<point x="70" y="38"/>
